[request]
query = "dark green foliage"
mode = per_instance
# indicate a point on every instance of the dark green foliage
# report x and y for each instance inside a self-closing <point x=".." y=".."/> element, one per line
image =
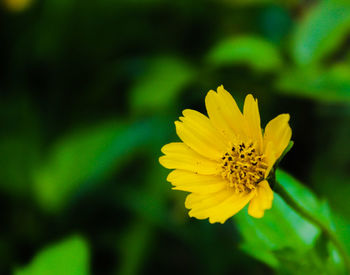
<point x="89" y="91"/>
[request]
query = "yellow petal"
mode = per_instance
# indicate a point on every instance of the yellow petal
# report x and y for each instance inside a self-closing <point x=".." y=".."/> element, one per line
<point x="279" y="133"/>
<point x="252" y="117"/>
<point x="219" y="209"/>
<point x="261" y="201"/>
<point x="197" y="132"/>
<point x="191" y="182"/>
<point x="200" y="201"/>
<point x="225" y="114"/>
<point x="180" y="156"/>
<point x="270" y="157"/>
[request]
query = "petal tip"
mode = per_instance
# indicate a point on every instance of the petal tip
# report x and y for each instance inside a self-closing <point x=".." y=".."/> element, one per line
<point x="161" y="160"/>
<point x="250" y="98"/>
<point x="258" y="214"/>
<point x="221" y="89"/>
<point x="163" y="149"/>
<point x="170" y="176"/>
<point x="187" y="112"/>
<point x="209" y="95"/>
<point x="178" y="124"/>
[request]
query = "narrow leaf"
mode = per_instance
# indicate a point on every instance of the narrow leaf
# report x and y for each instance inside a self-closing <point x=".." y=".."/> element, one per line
<point x="69" y="257"/>
<point x="321" y="31"/>
<point x="252" y="51"/>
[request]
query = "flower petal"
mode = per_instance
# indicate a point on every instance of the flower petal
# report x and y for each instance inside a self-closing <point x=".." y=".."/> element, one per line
<point x="252" y="117"/>
<point x="225" y="114"/>
<point x="262" y="200"/>
<point x="217" y="208"/>
<point x="197" y="132"/>
<point x="191" y="182"/>
<point x="270" y="157"/>
<point x="199" y="201"/>
<point x="180" y="156"/>
<point x="279" y="133"/>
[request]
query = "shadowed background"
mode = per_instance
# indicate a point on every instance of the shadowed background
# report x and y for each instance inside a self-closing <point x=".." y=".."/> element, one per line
<point x="89" y="91"/>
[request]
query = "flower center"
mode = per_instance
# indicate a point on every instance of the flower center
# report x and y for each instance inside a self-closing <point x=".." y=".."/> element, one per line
<point x="243" y="167"/>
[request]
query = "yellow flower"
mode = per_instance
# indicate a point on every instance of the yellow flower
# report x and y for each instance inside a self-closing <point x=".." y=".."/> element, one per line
<point x="224" y="160"/>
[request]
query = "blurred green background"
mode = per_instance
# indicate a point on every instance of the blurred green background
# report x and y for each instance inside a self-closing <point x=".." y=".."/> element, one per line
<point x="89" y="91"/>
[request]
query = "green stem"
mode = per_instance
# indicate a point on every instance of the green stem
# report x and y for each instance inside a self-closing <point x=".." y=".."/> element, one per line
<point x="279" y="189"/>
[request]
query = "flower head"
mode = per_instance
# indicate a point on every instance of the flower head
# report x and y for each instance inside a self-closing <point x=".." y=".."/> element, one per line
<point x="224" y="159"/>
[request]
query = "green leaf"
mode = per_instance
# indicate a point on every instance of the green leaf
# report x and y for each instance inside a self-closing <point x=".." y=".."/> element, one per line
<point x="252" y="51"/>
<point x="300" y="262"/>
<point x="259" y="251"/>
<point x="69" y="257"/>
<point x="332" y="85"/>
<point x="87" y="156"/>
<point x="270" y="231"/>
<point x="304" y="196"/>
<point x="160" y="85"/>
<point x="282" y="229"/>
<point x="321" y="210"/>
<point x="321" y="31"/>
